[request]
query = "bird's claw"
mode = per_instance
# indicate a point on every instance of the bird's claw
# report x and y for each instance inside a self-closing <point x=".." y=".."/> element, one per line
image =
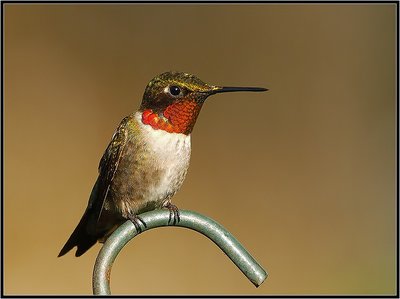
<point x="173" y="210"/>
<point x="136" y="220"/>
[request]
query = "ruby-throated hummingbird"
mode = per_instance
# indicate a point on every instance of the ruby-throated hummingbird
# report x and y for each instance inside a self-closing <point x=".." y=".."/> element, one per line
<point x="147" y="159"/>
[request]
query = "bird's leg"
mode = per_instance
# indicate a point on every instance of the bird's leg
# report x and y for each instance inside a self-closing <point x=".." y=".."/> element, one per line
<point x="173" y="210"/>
<point x="135" y="219"/>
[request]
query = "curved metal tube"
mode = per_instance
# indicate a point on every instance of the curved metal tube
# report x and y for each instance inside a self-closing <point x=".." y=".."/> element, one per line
<point x="202" y="224"/>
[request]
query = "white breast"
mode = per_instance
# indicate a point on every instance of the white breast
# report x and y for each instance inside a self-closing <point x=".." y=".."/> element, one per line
<point x="172" y="150"/>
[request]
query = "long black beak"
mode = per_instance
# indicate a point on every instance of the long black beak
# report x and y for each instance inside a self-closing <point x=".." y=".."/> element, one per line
<point x="234" y="89"/>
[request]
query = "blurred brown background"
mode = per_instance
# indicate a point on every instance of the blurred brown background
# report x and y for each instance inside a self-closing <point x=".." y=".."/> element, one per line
<point x="303" y="175"/>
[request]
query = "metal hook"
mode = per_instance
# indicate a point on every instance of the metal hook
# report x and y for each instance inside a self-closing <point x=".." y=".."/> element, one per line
<point x="157" y="218"/>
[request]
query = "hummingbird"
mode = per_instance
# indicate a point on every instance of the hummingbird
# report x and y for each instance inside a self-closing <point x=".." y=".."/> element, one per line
<point x="147" y="159"/>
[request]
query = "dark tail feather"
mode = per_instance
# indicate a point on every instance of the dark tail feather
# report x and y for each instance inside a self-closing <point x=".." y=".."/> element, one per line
<point x="80" y="238"/>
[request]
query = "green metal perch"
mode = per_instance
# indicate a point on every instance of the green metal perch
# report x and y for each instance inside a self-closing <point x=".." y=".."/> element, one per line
<point x="202" y="224"/>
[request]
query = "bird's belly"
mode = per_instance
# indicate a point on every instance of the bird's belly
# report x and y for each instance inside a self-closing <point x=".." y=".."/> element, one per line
<point x="172" y="175"/>
<point x="154" y="175"/>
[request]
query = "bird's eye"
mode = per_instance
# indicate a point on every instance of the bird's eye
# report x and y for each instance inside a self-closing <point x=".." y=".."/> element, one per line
<point x="174" y="90"/>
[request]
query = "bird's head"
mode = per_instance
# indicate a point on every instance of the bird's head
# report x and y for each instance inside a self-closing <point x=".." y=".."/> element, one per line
<point x="172" y="101"/>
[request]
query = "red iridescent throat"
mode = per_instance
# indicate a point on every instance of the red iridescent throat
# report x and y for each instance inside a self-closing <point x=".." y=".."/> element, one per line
<point x="177" y="118"/>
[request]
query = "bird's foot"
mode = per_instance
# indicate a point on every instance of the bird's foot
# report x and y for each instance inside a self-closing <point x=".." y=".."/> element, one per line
<point x="173" y="210"/>
<point x="136" y="220"/>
